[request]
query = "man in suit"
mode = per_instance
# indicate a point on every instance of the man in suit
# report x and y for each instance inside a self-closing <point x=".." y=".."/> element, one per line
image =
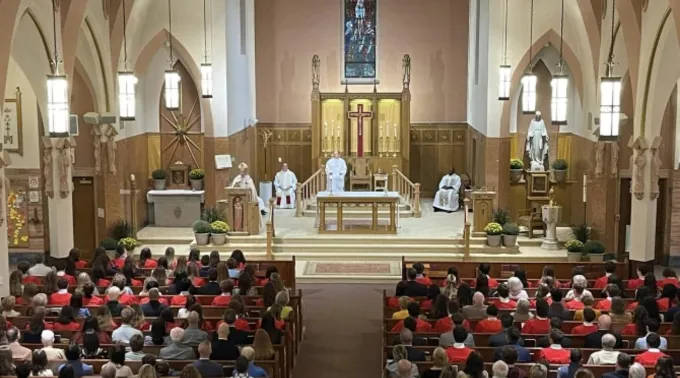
<point x="501" y="338"/>
<point x="19" y="353"/>
<point x="112" y="304"/>
<point x="236" y="336"/>
<point x="406" y="338"/>
<point x="555" y="323"/>
<point x="177" y="350"/>
<point x="204" y="366"/>
<point x="446" y="339"/>
<point x="193" y="335"/>
<point x="153" y="307"/>
<point x="594" y="340"/>
<point x="521" y="353"/>
<point x="622" y="365"/>
<point x="557" y="309"/>
<point x="477" y="310"/>
<point x="212" y="287"/>
<point x="414" y="288"/>
<point x="223" y="349"/>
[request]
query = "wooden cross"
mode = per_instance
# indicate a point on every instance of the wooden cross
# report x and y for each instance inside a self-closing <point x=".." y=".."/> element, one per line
<point x="360" y="115"/>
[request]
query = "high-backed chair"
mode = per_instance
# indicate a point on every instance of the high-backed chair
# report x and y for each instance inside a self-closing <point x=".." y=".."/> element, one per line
<point x="361" y="174"/>
<point x="531" y="219"/>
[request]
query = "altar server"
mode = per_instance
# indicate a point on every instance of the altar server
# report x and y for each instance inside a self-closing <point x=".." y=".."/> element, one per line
<point x="243" y="180"/>
<point x="285" y="183"/>
<point x="446" y="198"/>
<point x="336" y="168"/>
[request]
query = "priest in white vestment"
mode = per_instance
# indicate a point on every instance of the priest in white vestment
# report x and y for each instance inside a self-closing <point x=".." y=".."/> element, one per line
<point x="285" y="183"/>
<point x="336" y="168"/>
<point x="243" y="180"/>
<point x="446" y="198"/>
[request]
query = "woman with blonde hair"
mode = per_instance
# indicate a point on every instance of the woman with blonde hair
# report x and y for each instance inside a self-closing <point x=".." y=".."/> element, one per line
<point x="145" y="286"/>
<point x="195" y="275"/>
<point x="8" y="310"/>
<point x="146" y="371"/>
<point x="104" y="319"/>
<point x="39" y="300"/>
<point x="16" y="287"/>
<point x="170" y="257"/>
<point x="181" y="266"/>
<point x="399" y="352"/>
<point x="222" y="271"/>
<point x="275" y="279"/>
<point x="138" y="321"/>
<point x="282" y="299"/>
<point x="190" y="371"/>
<point x="50" y="286"/>
<point x="30" y="290"/>
<point x="439" y="361"/>
<point x="264" y="350"/>
<point x="451" y="288"/>
<point x="522" y="314"/>
<point x="82" y="279"/>
<point x="516" y="288"/>
<point x="161" y="275"/>
<point x="538" y="371"/>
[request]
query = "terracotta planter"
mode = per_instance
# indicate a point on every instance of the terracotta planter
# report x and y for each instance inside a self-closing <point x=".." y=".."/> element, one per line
<point x="560" y="176"/>
<point x="493" y="240"/>
<point x="202" y="239"/>
<point x="573" y="256"/>
<point x="597" y="257"/>
<point x="197" y="184"/>
<point x="218" y="239"/>
<point x="509" y="240"/>
<point x="159" y="184"/>
<point x="516" y="175"/>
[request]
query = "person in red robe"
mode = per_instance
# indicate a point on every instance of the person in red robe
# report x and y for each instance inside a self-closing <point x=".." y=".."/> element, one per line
<point x="74" y="255"/>
<point x="555" y="354"/>
<point x="392" y="302"/>
<point x="504" y="302"/>
<point x="145" y="261"/>
<point x="669" y="277"/>
<point x="606" y="304"/>
<point x="609" y="269"/>
<point x="458" y="353"/>
<point x="227" y="287"/>
<point x="588" y="325"/>
<point x="485" y="269"/>
<point x="540" y="324"/>
<point x="420" y="274"/>
<point x="491" y="324"/>
<point x="414" y="312"/>
<point x="668" y="294"/>
<point x="651" y="355"/>
<point x="635" y="283"/>
<point x="62" y="297"/>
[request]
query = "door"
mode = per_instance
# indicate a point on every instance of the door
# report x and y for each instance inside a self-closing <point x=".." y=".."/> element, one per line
<point x="84" y="232"/>
<point x="624" y="214"/>
<point x="660" y="237"/>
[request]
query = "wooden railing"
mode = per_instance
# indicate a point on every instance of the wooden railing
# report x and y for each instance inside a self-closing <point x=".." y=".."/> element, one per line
<point x="408" y="191"/>
<point x="270" y="229"/>
<point x="466" y="229"/>
<point x="306" y="192"/>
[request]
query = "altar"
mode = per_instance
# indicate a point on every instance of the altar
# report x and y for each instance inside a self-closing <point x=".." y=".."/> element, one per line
<point x="175" y="207"/>
<point x="328" y="202"/>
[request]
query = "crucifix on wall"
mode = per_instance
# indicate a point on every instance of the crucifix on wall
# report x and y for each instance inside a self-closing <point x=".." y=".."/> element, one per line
<point x="360" y="114"/>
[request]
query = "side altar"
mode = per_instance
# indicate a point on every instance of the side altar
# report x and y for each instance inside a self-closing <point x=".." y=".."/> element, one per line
<point x="175" y="207"/>
<point x="371" y="127"/>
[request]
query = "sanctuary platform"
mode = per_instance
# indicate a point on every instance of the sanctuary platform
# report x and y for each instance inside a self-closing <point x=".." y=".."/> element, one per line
<point x="324" y="257"/>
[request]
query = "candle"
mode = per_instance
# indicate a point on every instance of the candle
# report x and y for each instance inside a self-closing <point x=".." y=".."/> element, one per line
<point x="585" y="187"/>
<point x="395" y="131"/>
<point x="132" y="177"/>
<point x="381" y="131"/>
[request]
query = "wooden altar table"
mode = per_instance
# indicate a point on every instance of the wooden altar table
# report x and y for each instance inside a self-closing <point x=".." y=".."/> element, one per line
<point x="340" y="202"/>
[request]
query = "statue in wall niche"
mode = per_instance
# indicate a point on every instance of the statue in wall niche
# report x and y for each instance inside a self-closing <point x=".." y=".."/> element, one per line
<point x="537" y="143"/>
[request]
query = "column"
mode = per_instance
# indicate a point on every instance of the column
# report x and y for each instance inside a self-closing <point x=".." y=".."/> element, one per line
<point x="239" y="39"/>
<point x="643" y="214"/>
<point x="58" y="160"/>
<point x="4" y="249"/>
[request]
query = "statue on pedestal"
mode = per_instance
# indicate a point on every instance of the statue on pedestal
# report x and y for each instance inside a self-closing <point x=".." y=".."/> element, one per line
<point x="537" y="143"/>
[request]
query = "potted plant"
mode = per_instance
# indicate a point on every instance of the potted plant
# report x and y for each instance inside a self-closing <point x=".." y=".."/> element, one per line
<point x="196" y="177"/>
<point x="129" y="243"/>
<point x="121" y="229"/>
<point x="595" y="250"/>
<point x="559" y="167"/>
<point x="510" y="232"/>
<point x="202" y="232"/>
<point x="218" y="232"/>
<point x="212" y="213"/>
<point x="516" y="170"/>
<point x="158" y="179"/>
<point x="581" y="232"/>
<point x="500" y="216"/>
<point x="574" y="250"/>
<point x="109" y="244"/>
<point x="493" y="234"/>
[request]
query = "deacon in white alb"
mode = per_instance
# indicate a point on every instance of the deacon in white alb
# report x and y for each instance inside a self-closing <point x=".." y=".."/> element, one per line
<point x="285" y="182"/>
<point x="243" y="180"/>
<point x="446" y="198"/>
<point x="336" y="168"/>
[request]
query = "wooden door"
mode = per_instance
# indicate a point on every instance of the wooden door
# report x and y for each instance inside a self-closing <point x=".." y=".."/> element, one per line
<point x="625" y="202"/>
<point x="660" y="235"/>
<point x="84" y="232"/>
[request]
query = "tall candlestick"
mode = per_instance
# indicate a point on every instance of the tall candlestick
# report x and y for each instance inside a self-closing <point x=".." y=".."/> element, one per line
<point x="395" y="130"/>
<point x="585" y="187"/>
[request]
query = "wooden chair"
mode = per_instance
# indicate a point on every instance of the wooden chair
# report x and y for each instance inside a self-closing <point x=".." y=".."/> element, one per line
<point x="531" y="219"/>
<point x="361" y="174"/>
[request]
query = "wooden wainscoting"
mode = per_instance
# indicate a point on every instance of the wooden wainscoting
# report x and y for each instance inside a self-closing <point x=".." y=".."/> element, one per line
<point x="436" y="148"/>
<point x="292" y="143"/>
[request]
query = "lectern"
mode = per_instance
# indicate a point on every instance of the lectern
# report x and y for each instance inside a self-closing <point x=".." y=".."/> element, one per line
<point x="243" y="214"/>
<point x="482" y="204"/>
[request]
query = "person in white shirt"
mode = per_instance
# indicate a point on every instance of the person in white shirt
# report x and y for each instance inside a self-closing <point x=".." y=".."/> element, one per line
<point x="336" y="169"/>
<point x="516" y="289"/>
<point x="579" y="284"/>
<point x="285" y="183"/>
<point x="39" y="269"/>
<point x="606" y="356"/>
<point x="123" y="333"/>
<point x="52" y="353"/>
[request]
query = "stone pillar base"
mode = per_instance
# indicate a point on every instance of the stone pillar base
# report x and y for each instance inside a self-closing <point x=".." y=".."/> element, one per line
<point x="550" y="245"/>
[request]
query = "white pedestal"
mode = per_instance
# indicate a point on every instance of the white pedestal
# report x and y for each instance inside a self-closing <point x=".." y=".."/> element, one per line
<point x="266" y="190"/>
<point x="551" y="215"/>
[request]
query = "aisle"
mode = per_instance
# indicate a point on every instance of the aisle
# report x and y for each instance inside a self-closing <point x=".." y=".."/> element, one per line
<point x="343" y="330"/>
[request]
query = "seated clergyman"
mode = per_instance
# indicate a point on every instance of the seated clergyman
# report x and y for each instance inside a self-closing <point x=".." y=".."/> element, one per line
<point x="446" y="198"/>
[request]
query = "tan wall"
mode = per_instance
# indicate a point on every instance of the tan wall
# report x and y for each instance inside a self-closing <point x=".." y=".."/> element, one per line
<point x="82" y="101"/>
<point x="132" y="158"/>
<point x="433" y="32"/>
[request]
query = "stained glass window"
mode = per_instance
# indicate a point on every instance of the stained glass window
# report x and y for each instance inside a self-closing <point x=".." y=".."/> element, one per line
<point x="360" y="38"/>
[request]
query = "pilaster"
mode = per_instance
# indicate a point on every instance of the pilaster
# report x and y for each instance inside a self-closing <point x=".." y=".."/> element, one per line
<point x="674" y="260"/>
<point x="4" y="249"/>
<point x="602" y="206"/>
<point x="58" y="162"/>
<point x="643" y="208"/>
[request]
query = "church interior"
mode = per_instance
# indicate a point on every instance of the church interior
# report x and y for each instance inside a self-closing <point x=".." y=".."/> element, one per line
<point x="343" y="142"/>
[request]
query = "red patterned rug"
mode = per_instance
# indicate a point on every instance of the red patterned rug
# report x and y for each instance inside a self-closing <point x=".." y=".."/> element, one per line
<point x="358" y="268"/>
